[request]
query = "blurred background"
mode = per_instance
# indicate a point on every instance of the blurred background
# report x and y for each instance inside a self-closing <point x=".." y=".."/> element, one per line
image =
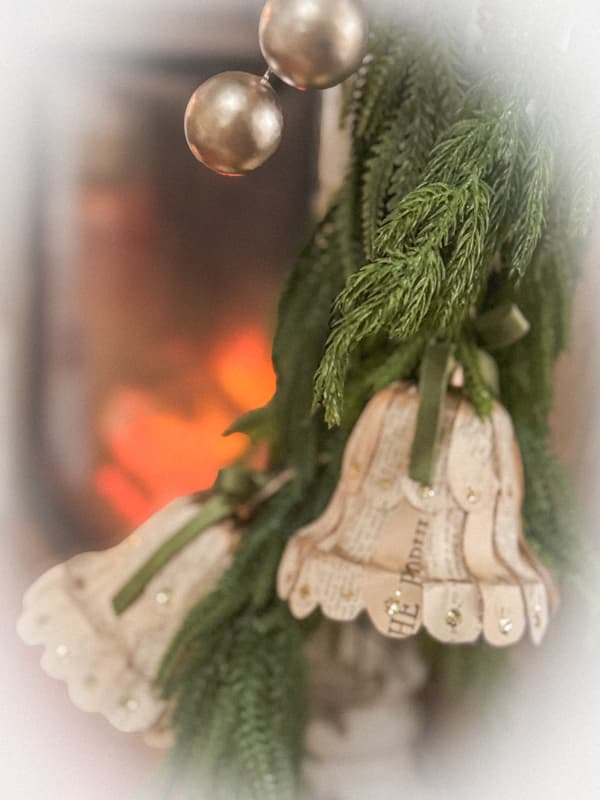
<point x="138" y="302"/>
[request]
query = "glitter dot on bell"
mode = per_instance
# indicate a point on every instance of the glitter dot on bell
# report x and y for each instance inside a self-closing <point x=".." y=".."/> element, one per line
<point x="233" y="122"/>
<point x="313" y="44"/>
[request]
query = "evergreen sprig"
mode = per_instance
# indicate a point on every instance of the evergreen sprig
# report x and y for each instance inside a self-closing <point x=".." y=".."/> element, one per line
<point x="380" y="169"/>
<point x="412" y="286"/>
<point x="534" y="193"/>
<point x="486" y="188"/>
<point x="241" y="708"/>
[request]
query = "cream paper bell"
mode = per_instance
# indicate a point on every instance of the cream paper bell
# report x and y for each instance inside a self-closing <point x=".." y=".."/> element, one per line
<point x="109" y="662"/>
<point x="450" y="557"/>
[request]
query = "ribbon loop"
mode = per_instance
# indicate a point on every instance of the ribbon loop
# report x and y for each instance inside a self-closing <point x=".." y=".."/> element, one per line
<point x="502" y="326"/>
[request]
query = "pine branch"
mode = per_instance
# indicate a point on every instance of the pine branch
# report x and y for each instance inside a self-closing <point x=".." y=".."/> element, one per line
<point x="532" y="205"/>
<point x="239" y="712"/>
<point x="398" y="294"/>
<point x="380" y="168"/>
<point x="346" y="217"/>
<point x="265" y="756"/>
<point x="434" y="92"/>
<point x="380" y="80"/>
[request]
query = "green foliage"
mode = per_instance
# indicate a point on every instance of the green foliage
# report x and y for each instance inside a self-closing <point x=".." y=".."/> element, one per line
<point x="258" y="425"/>
<point x="533" y="196"/>
<point x="484" y="188"/>
<point x="380" y="168"/>
<point x="527" y="383"/>
<point x="304" y="312"/>
<point x="241" y="707"/>
<point x="379" y="367"/>
<point x="411" y="287"/>
<point x="379" y="82"/>
<point x="551" y="522"/>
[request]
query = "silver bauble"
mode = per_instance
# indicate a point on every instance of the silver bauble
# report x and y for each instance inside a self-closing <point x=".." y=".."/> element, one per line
<point x="313" y="44"/>
<point x="233" y="122"/>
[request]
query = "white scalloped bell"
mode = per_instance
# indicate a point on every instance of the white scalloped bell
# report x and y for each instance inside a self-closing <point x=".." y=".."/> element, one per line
<point x="109" y="662"/>
<point x="450" y="557"/>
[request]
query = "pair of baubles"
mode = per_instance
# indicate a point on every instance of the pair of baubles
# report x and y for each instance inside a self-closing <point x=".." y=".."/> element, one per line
<point x="233" y="121"/>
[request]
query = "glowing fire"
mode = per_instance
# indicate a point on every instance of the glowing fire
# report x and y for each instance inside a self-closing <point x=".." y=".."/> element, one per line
<point x="157" y="451"/>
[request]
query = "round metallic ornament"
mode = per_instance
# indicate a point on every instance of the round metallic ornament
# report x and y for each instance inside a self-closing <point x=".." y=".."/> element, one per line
<point x="233" y="122"/>
<point x="313" y="44"/>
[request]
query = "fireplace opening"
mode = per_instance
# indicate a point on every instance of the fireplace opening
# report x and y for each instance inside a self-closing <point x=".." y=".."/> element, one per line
<point x="156" y="287"/>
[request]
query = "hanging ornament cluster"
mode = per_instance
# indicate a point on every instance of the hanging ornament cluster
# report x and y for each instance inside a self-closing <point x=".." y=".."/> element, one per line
<point x="445" y="255"/>
<point x="449" y="556"/>
<point x="233" y="121"/>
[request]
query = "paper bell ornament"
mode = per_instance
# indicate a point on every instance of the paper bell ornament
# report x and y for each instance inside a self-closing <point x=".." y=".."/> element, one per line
<point x="109" y="662"/>
<point x="449" y="557"/>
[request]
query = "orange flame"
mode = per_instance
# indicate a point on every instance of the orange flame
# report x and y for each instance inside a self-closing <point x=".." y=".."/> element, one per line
<point x="159" y="454"/>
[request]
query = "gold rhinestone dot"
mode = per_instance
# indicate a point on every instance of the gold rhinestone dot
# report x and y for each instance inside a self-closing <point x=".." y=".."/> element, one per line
<point x="346" y="594"/>
<point x="427" y="492"/>
<point x="506" y="625"/>
<point x="385" y="485"/>
<point x="472" y="496"/>
<point x="354" y="471"/>
<point x="392" y="604"/>
<point x="305" y="590"/>
<point x="163" y="598"/>
<point x="453" y="618"/>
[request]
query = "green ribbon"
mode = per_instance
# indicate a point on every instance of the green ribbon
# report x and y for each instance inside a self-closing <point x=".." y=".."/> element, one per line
<point x="233" y="486"/>
<point x="216" y="509"/>
<point x="433" y="385"/>
<point x="498" y="328"/>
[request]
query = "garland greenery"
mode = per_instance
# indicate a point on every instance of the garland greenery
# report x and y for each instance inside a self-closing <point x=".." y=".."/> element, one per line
<point x="458" y="197"/>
